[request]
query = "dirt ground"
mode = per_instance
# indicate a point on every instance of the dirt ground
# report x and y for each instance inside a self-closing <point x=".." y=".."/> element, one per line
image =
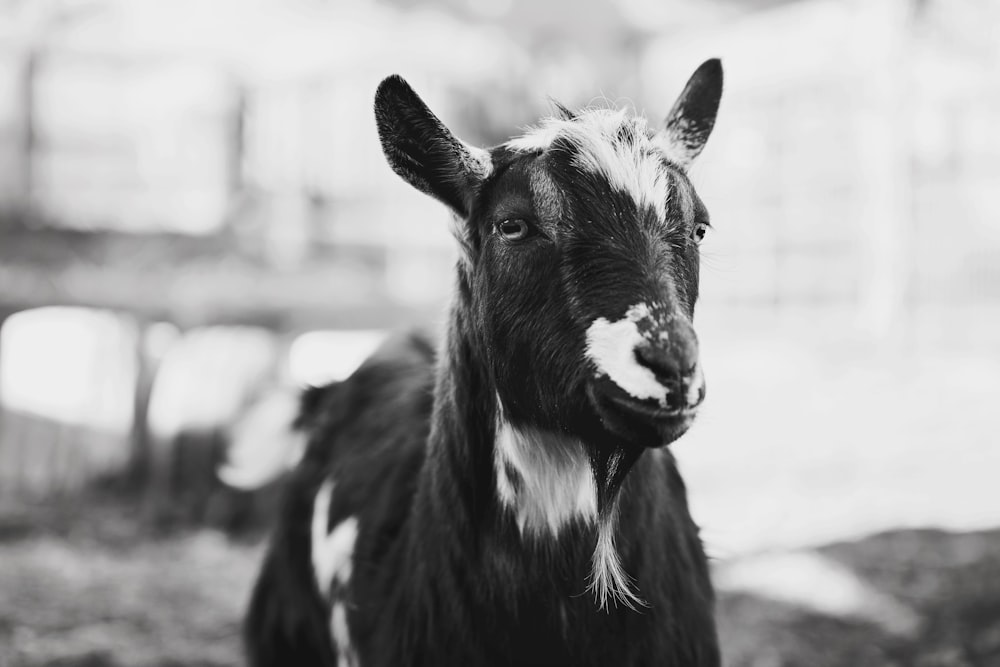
<point x="90" y="590"/>
<point x="948" y="582"/>
<point x="95" y="591"/>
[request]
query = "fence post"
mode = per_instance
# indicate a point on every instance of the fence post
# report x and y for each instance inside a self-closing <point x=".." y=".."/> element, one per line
<point x="4" y="479"/>
<point x="236" y="122"/>
<point x="27" y="119"/>
<point x="146" y="364"/>
<point x="885" y="161"/>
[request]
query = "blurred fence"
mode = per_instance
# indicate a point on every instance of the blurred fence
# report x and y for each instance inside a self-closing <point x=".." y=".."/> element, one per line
<point x="41" y="457"/>
<point x="135" y="117"/>
<point x="851" y="177"/>
<point x="854" y="160"/>
<point x="65" y="385"/>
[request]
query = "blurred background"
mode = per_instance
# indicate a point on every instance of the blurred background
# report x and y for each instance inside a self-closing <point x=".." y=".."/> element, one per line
<point x="196" y="219"/>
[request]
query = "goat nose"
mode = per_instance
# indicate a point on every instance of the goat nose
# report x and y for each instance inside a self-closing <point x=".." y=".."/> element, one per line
<point x="666" y="364"/>
<point x="672" y="353"/>
<point x="673" y="360"/>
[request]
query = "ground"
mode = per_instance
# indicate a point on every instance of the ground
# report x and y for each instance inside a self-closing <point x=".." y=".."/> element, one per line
<point x="950" y="582"/>
<point x="99" y="592"/>
<point x="91" y="589"/>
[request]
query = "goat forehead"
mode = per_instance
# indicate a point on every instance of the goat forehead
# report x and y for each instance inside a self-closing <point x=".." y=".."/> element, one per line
<point x="546" y="196"/>
<point x="612" y="145"/>
<point x="597" y="124"/>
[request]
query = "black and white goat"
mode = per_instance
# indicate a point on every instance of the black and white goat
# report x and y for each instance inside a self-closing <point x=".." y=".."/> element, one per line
<point x="509" y="500"/>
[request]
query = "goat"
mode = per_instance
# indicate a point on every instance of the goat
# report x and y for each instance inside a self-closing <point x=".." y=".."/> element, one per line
<point x="509" y="499"/>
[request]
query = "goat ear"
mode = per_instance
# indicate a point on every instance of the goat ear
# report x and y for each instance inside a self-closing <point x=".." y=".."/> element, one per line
<point x="692" y="117"/>
<point x="423" y="151"/>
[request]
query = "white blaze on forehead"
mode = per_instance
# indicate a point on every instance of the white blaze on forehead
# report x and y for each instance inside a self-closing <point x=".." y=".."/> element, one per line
<point x="537" y="138"/>
<point x="552" y="481"/>
<point x="332" y="551"/>
<point x="612" y="345"/>
<point x="611" y="144"/>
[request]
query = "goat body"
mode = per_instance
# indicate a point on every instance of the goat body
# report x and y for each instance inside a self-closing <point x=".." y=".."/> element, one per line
<point x="508" y="499"/>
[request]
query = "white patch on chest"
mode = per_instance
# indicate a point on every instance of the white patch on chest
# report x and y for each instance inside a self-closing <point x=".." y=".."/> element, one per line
<point x="544" y="478"/>
<point x="611" y="346"/>
<point x="552" y="485"/>
<point x="332" y="556"/>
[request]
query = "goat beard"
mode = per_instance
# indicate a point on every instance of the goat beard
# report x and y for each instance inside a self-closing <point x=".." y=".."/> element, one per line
<point x="609" y="582"/>
<point x="611" y="464"/>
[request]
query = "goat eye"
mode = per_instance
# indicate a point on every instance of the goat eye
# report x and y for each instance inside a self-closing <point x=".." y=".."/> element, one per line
<point x="698" y="233"/>
<point x="514" y="229"/>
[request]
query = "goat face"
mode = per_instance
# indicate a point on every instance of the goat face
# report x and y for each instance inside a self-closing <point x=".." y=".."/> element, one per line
<point x="580" y="258"/>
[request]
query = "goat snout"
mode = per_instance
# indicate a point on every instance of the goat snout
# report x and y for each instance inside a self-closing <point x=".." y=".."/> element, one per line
<point x="672" y="357"/>
<point x="648" y="357"/>
<point x="648" y="381"/>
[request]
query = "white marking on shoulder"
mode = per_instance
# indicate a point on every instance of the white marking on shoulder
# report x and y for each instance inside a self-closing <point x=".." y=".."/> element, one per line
<point x="332" y="551"/>
<point x="554" y="483"/>
<point x="611" y="346"/>
<point x="612" y="144"/>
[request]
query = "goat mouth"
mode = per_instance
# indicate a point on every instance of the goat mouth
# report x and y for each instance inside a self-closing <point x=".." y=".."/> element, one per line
<point x="639" y="421"/>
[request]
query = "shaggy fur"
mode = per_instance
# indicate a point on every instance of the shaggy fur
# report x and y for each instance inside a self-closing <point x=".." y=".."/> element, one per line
<point x="510" y="500"/>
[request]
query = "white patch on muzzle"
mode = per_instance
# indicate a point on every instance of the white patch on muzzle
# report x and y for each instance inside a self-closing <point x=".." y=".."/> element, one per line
<point x="612" y="345"/>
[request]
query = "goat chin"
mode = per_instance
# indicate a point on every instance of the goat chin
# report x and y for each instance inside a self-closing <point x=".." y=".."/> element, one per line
<point x="632" y="424"/>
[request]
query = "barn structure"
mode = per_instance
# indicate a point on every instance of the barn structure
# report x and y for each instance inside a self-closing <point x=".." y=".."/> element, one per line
<point x="189" y="165"/>
<point x="212" y="165"/>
